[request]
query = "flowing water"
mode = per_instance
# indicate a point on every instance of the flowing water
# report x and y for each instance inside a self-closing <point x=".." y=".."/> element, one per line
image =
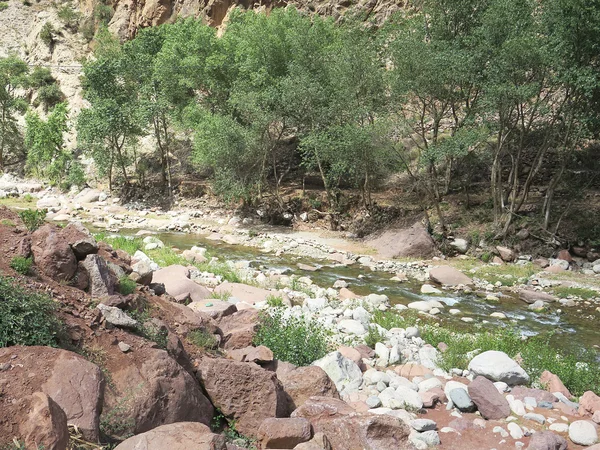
<point x="572" y="327"/>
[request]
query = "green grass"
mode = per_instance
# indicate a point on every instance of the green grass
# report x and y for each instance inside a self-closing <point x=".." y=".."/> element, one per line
<point x="167" y="257"/>
<point x="565" y="292"/>
<point x="3" y="6"/>
<point x="507" y="274"/>
<point x="223" y="296"/>
<point x="579" y="370"/>
<point x="26" y="318"/>
<point x="21" y="265"/>
<point x="126" y="286"/>
<point x="203" y="340"/>
<point x="374" y="336"/>
<point x="125" y="243"/>
<point x="8" y="223"/>
<point x="299" y="341"/>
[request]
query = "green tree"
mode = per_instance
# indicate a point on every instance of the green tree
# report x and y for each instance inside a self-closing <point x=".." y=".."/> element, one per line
<point x="48" y="91"/>
<point x="13" y="75"/>
<point x="112" y="124"/>
<point x="46" y="155"/>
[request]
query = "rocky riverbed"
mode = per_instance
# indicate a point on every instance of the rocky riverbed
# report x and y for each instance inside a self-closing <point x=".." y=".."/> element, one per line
<point x="392" y="393"/>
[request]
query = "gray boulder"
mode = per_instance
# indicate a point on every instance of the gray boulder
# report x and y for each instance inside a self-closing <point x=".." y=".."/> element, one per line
<point x="498" y="366"/>
<point x="344" y="372"/>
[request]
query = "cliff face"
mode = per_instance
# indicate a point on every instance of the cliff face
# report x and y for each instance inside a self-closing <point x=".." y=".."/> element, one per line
<point x="130" y="15"/>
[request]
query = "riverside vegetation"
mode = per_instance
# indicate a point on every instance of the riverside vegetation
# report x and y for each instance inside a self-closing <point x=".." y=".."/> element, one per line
<point x="499" y="93"/>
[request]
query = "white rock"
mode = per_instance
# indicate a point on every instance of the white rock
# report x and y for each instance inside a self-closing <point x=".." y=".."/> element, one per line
<point x="425" y="306"/>
<point x="498" y="366"/>
<point x="377" y="300"/>
<point x="382" y="352"/>
<point x="394" y="355"/>
<point x="583" y="432"/>
<point x="500" y="430"/>
<point x="428" y="356"/>
<point x="429" y="289"/>
<point x="501" y="386"/>
<point x="409" y="398"/>
<point x="451" y="385"/>
<point x="344" y="373"/>
<point x="315" y="304"/>
<point x="559" y="427"/>
<point x="352" y="326"/>
<point x="516" y="406"/>
<point x="515" y="431"/>
<point x="535" y="417"/>
<point x="429" y="384"/>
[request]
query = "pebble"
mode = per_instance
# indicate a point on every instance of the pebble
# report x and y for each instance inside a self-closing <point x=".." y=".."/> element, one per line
<point x="423" y="425"/>
<point x="535" y="417"/>
<point x="124" y="347"/>
<point x="559" y="427"/>
<point x="515" y="431"/>
<point x="373" y="402"/>
<point x="500" y="430"/>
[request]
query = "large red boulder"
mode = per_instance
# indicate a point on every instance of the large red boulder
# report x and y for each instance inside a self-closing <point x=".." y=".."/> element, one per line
<point x="74" y="384"/>
<point x="553" y="383"/>
<point x="284" y="433"/>
<point x="52" y="254"/>
<point x="149" y="389"/>
<point x="244" y="392"/>
<point x="408" y="242"/>
<point x="80" y="239"/>
<point x="589" y="404"/>
<point x="304" y="382"/>
<point x="177" y="283"/>
<point x="45" y="425"/>
<point x="491" y="404"/>
<point x="176" y="436"/>
<point x="349" y="430"/>
<point x="239" y="329"/>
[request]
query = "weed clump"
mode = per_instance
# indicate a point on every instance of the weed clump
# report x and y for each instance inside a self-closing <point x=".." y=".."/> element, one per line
<point x="21" y="265"/>
<point x="26" y="318"/>
<point x="297" y="340"/>
<point x="33" y="218"/>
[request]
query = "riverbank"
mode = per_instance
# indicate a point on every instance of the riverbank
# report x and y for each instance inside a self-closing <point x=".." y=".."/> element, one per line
<point x="396" y="365"/>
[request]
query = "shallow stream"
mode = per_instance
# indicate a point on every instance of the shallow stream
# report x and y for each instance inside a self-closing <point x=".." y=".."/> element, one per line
<point x="572" y="327"/>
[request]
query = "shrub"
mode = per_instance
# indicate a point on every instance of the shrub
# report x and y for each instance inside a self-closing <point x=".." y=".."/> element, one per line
<point x="275" y="301"/>
<point x="21" y="265"/>
<point x="69" y="16"/>
<point x="33" y="218"/>
<point x="203" y="340"/>
<point x="102" y="13"/>
<point x="374" y="336"/>
<point x="47" y="34"/>
<point x="26" y="318"/>
<point x="3" y="6"/>
<point x="28" y="198"/>
<point x="126" y="285"/>
<point x="297" y="340"/>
